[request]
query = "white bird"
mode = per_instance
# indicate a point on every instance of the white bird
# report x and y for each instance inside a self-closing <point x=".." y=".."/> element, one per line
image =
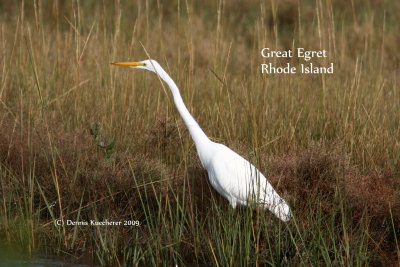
<point x="231" y="175"/>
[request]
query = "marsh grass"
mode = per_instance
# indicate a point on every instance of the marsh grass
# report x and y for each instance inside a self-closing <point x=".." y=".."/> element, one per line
<point x="328" y="143"/>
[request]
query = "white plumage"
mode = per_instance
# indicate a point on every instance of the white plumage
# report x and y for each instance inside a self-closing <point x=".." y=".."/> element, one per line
<point x="231" y="175"/>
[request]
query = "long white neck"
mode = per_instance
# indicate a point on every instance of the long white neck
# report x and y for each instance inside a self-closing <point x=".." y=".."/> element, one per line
<point x="199" y="137"/>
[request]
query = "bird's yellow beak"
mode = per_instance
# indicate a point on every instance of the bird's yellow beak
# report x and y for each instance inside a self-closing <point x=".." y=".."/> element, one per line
<point x="128" y="64"/>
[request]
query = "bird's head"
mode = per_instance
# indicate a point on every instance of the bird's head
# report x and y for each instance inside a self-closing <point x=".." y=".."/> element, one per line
<point x="148" y="64"/>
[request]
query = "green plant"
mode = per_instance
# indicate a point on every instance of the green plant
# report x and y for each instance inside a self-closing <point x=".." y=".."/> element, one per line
<point x="108" y="148"/>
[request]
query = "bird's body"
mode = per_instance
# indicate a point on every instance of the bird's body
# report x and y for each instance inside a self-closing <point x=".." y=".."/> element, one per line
<point x="231" y="175"/>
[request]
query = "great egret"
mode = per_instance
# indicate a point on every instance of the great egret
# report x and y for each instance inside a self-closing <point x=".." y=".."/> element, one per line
<point x="232" y="176"/>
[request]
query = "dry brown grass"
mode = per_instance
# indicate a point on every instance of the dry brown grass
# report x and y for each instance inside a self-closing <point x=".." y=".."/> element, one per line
<point x="309" y="179"/>
<point x="329" y="144"/>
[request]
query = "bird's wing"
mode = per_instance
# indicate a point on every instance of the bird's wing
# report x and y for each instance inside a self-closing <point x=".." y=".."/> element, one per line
<point x="238" y="178"/>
